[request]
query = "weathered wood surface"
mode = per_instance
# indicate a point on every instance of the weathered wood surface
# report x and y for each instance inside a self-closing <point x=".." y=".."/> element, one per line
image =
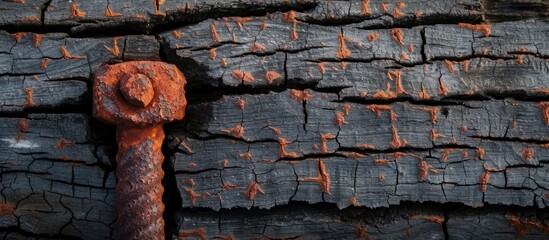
<point x="311" y="119"/>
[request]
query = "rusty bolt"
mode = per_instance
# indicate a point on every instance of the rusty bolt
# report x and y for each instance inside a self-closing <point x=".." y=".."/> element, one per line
<point x="139" y="97"/>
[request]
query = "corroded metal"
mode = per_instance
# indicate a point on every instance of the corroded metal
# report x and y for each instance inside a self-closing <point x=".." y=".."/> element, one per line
<point x="138" y="97"/>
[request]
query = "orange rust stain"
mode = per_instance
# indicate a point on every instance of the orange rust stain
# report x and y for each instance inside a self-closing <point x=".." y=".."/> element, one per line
<point x="37" y="39"/>
<point x="366" y="146"/>
<point x="22" y="127"/>
<point x="401" y="5"/>
<point x="392" y="116"/>
<point x="423" y="95"/>
<point x="18" y="36"/>
<point x="403" y="57"/>
<point x="291" y="17"/>
<point x="213" y="53"/>
<point x="484" y="51"/>
<point x="242" y="75"/>
<point x="520" y="59"/>
<point x="464" y="153"/>
<point x="6" y="209"/>
<point x="157" y="12"/>
<point x="276" y="130"/>
<point x="354" y="202"/>
<point x="29" y="99"/>
<point x="324" y="142"/>
<point x="385" y="95"/>
<point x="321" y="67"/>
<point x="263" y="25"/>
<point x="343" y="51"/>
<point x="247" y="155"/>
<point x="17" y="1"/>
<point x="365" y="8"/>
<point x="465" y="64"/>
<point x="300" y="96"/>
<point x="225" y="163"/>
<point x="282" y="149"/>
<point x="362" y="233"/>
<point x="63" y="143"/>
<point x="240" y="104"/>
<point x="397" y="155"/>
<point x="381" y="161"/>
<point x="546" y="145"/>
<point x="110" y="13"/>
<point x="523" y="226"/>
<point x="29" y="19"/>
<point x="432" y="111"/>
<point x="240" y="21"/>
<point x="544" y="106"/>
<point x="418" y="14"/>
<point x="342" y="65"/>
<point x="237" y="131"/>
<point x="138" y="16"/>
<point x="397" y="142"/>
<point x="372" y="37"/>
<point x="44" y="63"/>
<point x="213" y="32"/>
<point x="484" y="178"/>
<point x="449" y="65"/>
<point x="442" y="90"/>
<point x="197" y="233"/>
<point x="75" y="12"/>
<point x="527" y="153"/>
<point x="176" y="34"/>
<point x="435" y="219"/>
<point x="411" y="48"/>
<point x="397" y="35"/>
<point x="481" y="152"/>
<point x="397" y="13"/>
<point x="270" y="76"/>
<point x="252" y="190"/>
<point x="184" y="145"/>
<point x="445" y="154"/>
<point x="363" y="94"/>
<point x="378" y="109"/>
<point x="398" y="81"/>
<point x="35" y="77"/>
<point x="339" y="119"/>
<point x="381" y="177"/>
<point x="434" y="135"/>
<point x="483" y="28"/>
<point x="191" y="165"/>
<point x="257" y="47"/>
<point x="114" y="50"/>
<point x="353" y="155"/>
<point x="223" y="62"/>
<point x="423" y="170"/>
<point x="323" y="178"/>
<point x="346" y="109"/>
<point x="67" y="55"/>
<point x="384" y="7"/>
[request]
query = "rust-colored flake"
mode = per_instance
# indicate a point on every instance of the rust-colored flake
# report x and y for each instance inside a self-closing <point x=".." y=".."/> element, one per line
<point x="213" y="53"/>
<point x="423" y="95"/>
<point x="520" y="60"/>
<point x="365" y="8"/>
<point x="291" y="17"/>
<point x="397" y="142"/>
<point x="191" y="165"/>
<point x="480" y="152"/>
<point x="196" y="233"/>
<point x="37" y="39"/>
<point x="366" y="146"/>
<point x="276" y="130"/>
<point x="193" y="195"/>
<point x="67" y="55"/>
<point x="75" y="12"/>
<point x="435" y="135"/>
<point x="176" y="34"/>
<point x="240" y="21"/>
<point x="110" y="13"/>
<point x="271" y="76"/>
<point x="403" y="57"/>
<point x="343" y="51"/>
<point x="346" y="109"/>
<point x="29" y="99"/>
<point x="381" y="161"/>
<point x="213" y="32"/>
<point x="378" y="109"/>
<point x="223" y="62"/>
<point x="321" y="67"/>
<point x="114" y="50"/>
<point x="445" y="155"/>
<point x="411" y="48"/>
<point x="247" y="155"/>
<point x="18" y="36"/>
<point x="324" y="142"/>
<point x="225" y="163"/>
<point x="323" y="178"/>
<point x="362" y="233"/>
<point x="63" y="143"/>
<point x="385" y="95"/>
<point x="240" y="104"/>
<point x="483" y="28"/>
<point x="282" y="149"/>
<point x="237" y="131"/>
<point x="6" y="209"/>
<point x="423" y="170"/>
<point x="184" y="145"/>
<point x="17" y="1"/>
<point x="401" y="5"/>
<point x="484" y="51"/>
<point x="523" y="226"/>
<point x="252" y="190"/>
<point x="257" y="47"/>
<point x="397" y="35"/>
<point x="465" y="64"/>
<point x="527" y="153"/>
<point x="449" y="65"/>
<point x="397" y="13"/>
<point x="22" y="127"/>
<point x="372" y="37"/>
<point x="384" y="7"/>
<point x="29" y="19"/>
<point x="354" y="202"/>
<point x="339" y="119"/>
<point x="435" y="219"/>
<point x="242" y="75"/>
<point x="431" y="110"/>
<point x="342" y="65"/>
<point x="544" y="106"/>
<point x="484" y="178"/>
<point x="44" y="63"/>
<point x="263" y="25"/>
<point x="353" y="155"/>
<point x="300" y="96"/>
<point x="396" y="76"/>
<point x="442" y="90"/>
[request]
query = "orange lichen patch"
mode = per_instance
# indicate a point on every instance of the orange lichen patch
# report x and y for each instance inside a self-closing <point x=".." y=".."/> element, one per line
<point x="242" y="75"/>
<point x="520" y="60"/>
<point x="353" y="155"/>
<point x="225" y="163"/>
<point x="480" y="153"/>
<point x="403" y="57"/>
<point x="22" y="127"/>
<point x="6" y="209"/>
<point x="323" y="178"/>
<point x="240" y="21"/>
<point x="483" y="28"/>
<point x="193" y="195"/>
<point x="445" y="155"/>
<point x="423" y="95"/>
<point x="465" y="64"/>
<point x="176" y="34"/>
<point x="442" y="90"/>
<point x="343" y="51"/>
<point x="230" y="186"/>
<point x="423" y="170"/>
<point x="411" y="48"/>
<point x="252" y="190"/>
<point x="398" y="82"/>
<point x="544" y="106"/>
<point x="346" y="109"/>
<point x="213" y="32"/>
<point x="300" y="96"/>
<point x="75" y="12"/>
<point x="378" y="109"/>
<point x="381" y="161"/>
<point x="270" y="76"/>
<point x="385" y="95"/>
<point x="223" y="62"/>
<point x="237" y="131"/>
<point x="435" y="219"/>
<point x="484" y="178"/>
<point x="432" y="111"/>
<point x="114" y="50"/>
<point x="397" y="13"/>
<point x="276" y="130"/>
<point x="449" y="65"/>
<point x="523" y="226"/>
<point x="291" y="17"/>
<point x="396" y="155"/>
<point x="282" y="149"/>
<point x="257" y="47"/>
<point x="213" y="53"/>
<point x="321" y="67"/>
<point x="247" y="155"/>
<point x="63" y="143"/>
<point x="384" y="7"/>
<point x="397" y="142"/>
<point x="365" y="8"/>
<point x="184" y="145"/>
<point x="263" y="25"/>
<point x="240" y="104"/>
<point x="527" y="153"/>
<point x="354" y="202"/>
<point x="434" y="135"/>
<point x="401" y="5"/>
<point x="18" y="36"/>
<point x="372" y="37"/>
<point x="365" y="146"/>
<point x="191" y="165"/>
<point x="67" y="55"/>
<point x="44" y="63"/>
<point x="110" y="13"/>
<point x="339" y="119"/>
<point x="197" y="233"/>
<point x="324" y="142"/>
<point x="29" y="99"/>
<point x="397" y="35"/>
<point x="37" y="39"/>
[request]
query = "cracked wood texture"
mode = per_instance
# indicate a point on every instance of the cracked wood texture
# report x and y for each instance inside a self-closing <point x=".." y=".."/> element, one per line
<point x="361" y="119"/>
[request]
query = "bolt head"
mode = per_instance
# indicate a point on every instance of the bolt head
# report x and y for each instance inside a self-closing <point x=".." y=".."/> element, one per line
<point x="137" y="89"/>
